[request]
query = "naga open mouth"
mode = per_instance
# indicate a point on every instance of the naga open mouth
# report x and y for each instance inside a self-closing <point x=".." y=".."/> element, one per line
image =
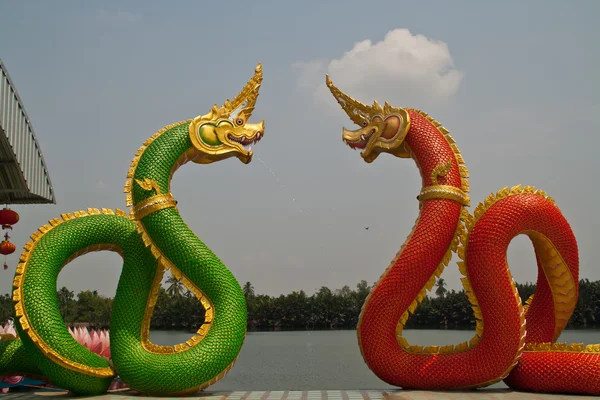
<point x="245" y="141"/>
<point x="361" y="143"/>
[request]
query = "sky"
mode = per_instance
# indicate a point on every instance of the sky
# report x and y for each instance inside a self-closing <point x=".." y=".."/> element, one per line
<point x="516" y="83"/>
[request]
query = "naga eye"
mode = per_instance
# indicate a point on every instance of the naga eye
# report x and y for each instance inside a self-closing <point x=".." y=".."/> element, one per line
<point x="239" y="121"/>
<point x="364" y="123"/>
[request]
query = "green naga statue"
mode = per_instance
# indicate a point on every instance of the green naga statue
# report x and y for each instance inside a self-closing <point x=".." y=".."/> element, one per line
<point x="151" y="239"/>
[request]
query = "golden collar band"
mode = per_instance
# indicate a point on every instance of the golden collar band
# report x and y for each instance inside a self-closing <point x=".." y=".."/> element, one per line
<point x="445" y="192"/>
<point x="152" y="204"/>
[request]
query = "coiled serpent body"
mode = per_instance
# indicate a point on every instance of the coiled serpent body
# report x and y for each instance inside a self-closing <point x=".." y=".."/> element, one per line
<point x="514" y="343"/>
<point x="152" y="239"/>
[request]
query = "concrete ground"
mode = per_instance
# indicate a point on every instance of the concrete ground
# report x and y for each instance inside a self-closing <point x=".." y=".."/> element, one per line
<point x="309" y="395"/>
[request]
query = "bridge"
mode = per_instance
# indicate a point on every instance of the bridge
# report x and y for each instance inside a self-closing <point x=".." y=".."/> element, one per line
<point x="24" y="178"/>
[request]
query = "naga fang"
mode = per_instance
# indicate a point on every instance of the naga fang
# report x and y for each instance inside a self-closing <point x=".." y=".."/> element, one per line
<point x="151" y="239"/>
<point x="502" y="349"/>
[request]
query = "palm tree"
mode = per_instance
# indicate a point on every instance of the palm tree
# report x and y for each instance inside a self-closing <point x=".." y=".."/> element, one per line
<point x="440" y="288"/>
<point x="248" y="290"/>
<point x="175" y="288"/>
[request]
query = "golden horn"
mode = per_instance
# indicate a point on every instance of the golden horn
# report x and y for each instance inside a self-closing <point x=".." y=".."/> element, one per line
<point x="356" y="110"/>
<point x="249" y="94"/>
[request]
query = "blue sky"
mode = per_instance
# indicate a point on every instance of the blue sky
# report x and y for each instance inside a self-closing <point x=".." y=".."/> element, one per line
<point x="514" y="82"/>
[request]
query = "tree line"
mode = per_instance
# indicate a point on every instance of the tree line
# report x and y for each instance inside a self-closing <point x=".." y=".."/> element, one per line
<point x="177" y="308"/>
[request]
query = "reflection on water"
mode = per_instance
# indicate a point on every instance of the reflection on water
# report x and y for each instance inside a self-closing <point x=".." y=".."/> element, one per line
<point x="322" y="360"/>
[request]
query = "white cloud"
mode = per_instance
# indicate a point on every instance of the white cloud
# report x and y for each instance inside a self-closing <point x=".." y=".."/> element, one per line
<point x="402" y="69"/>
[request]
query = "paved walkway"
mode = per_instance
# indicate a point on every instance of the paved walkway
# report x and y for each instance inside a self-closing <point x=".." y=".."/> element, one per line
<point x="312" y="395"/>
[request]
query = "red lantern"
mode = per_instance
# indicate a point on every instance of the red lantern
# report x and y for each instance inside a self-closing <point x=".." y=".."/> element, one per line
<point x="7" y="247"/>
<point x="8" y="218"/>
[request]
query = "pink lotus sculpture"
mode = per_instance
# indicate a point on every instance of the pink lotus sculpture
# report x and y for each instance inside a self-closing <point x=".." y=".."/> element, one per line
<point x="98" y="341"/>
<point x="9" y="329"/>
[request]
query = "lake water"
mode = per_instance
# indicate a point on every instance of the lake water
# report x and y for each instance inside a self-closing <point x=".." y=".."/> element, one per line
<point x="322" y="360"/>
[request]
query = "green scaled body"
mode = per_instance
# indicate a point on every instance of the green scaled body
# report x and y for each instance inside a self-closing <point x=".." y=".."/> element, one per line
<point x="158" y="241"/>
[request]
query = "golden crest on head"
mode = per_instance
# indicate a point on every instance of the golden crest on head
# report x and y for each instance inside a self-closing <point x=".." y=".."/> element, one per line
<point x="382" y="129"/>
<point x="224" y="131"/>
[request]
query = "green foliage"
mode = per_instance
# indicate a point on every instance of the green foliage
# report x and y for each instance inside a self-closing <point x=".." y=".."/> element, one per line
<point x="6" y="307"/>
<point x="176" y="308"/>
<point x="89" y="308"/>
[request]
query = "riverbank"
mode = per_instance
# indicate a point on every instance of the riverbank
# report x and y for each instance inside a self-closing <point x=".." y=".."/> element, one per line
<point x="326" y="309"/>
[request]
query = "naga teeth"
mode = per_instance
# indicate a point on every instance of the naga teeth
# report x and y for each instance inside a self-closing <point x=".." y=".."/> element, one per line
<point x="245" y="142"/>
<point x="362" y="137"/>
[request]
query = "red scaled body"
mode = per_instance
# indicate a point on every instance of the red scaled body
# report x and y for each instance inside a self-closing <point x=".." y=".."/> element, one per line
<point x="504" y="340"/>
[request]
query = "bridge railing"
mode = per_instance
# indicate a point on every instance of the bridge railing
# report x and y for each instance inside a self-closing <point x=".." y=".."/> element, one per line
<point x="21" y="138"/>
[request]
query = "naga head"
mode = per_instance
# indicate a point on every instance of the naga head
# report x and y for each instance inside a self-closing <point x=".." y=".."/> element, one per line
<point x="225" y="131"/>
<point x="381" y="129"/>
